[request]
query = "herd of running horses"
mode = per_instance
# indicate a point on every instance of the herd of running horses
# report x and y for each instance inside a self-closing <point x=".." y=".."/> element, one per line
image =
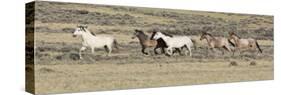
<point x="169" y="44"/>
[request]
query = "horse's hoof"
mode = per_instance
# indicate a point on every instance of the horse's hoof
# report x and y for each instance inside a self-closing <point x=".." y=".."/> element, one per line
<point x="168" y="55"/>
<point x="146" y="55"/>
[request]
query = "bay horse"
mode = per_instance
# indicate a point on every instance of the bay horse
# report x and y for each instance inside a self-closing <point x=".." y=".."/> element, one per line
<point x="94" y="41"/>
<point x="145" y="42"/>
<point x="175" y="42"/>
<point x="216" y="42"/>
<point x="241" y="43"/>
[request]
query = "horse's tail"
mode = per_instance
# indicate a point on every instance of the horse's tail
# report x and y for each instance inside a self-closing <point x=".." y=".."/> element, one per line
<point x="194" y="43"/>
<point x="229" y="41"/>
<point x="258" y="46"/>
<point x="115" y="44"/>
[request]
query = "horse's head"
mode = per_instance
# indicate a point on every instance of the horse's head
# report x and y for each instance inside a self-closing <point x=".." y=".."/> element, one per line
<point x="79" y="30"/>
<point x="233" y="36"/>
<point x="203" y="36"/>
<point x="206" y="35"/>
<point x="137" y="33"/>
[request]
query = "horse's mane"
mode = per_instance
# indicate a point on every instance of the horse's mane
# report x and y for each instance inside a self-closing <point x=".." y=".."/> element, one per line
<point x="232" y="43"/>
<point x="235" y="35"/>
<point x="84" y="29"/>
<point x="152" y="35"/>
<point x="167" y="34"/>
<point x="93" y="33"/>
<point x="142" y="33"/>
<point x="154" y="32"/>
<point x="209" y="34"/>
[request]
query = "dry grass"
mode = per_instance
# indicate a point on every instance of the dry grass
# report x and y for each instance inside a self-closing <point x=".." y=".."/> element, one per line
<point x="106" y="76"/>
<point x="58" y="70"/>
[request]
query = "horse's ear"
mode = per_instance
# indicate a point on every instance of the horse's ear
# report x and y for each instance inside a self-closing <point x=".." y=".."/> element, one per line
<point x="203" y="32"/>
<point x="155" y="30"/>
<point x="93" y="33"/>
<point x="138" y="30"/>
<point x="79" y="26"/>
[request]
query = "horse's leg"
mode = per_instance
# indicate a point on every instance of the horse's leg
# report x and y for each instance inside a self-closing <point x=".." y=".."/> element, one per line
<point x="155" y="50"/>
<point x="93" y="50"/>
<point x="233" y="51"/>
<point x="169" y="51"/>
<point x="182" y="48"/>
<point x="223" y="49"/>
<point x="258" y="52"/>
<point x="211" y="50"/>
<point x="80" y="51"/>
<point x="228" y="49"/>
<point x="177" y="50"/>
<point x="207" y="52"/>
<point x="189" y="50"/>
<point x="239" y="51"/>
<point x="163" y="50"/>
<point x="109" y="50"/>
<point x="143" y="51"/>
<point x="106" y="49"/>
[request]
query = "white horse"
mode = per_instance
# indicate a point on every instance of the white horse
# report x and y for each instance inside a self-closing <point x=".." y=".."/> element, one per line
<point x="92" y="41"/>
<point x="175" y="42"/>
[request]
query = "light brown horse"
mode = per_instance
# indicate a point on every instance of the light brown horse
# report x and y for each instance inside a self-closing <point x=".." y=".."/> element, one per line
<point x="240" y="43"/>
<point x="216" y="42"/>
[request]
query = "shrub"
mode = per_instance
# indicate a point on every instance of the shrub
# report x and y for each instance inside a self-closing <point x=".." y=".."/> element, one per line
<point x="233" y="63"/>
<point x="253" y="63"/>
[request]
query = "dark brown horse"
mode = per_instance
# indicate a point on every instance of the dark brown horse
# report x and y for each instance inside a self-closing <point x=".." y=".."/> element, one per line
<point x="216" y="42"/>
<point x="240" y="43"/>
<point x="146" y="42"/>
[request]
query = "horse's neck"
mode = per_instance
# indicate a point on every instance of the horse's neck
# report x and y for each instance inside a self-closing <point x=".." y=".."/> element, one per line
<point x="142" y="38"/>
<point x="210" y="39"/>
<point x="88" y="32"/>
<point x="236" y="39"/>
<point x="87" y="36"/>
<point x="165" y="38"/>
